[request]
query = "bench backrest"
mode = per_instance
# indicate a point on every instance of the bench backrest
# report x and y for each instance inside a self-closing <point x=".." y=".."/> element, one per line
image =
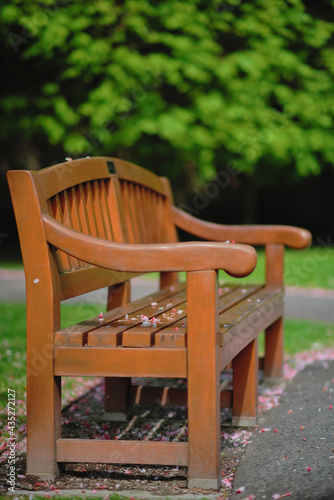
<point x="104" y="197"/>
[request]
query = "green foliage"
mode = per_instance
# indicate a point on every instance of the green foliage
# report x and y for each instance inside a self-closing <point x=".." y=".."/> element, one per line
<point x="174" y="83"/>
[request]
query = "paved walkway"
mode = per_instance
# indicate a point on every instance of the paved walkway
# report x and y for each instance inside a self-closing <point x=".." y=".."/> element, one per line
<point x="317" y="305"/>
<point x="299" y="457"/>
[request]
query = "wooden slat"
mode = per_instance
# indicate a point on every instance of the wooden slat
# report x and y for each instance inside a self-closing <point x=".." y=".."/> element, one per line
<point x="127" y="212"/>
<point x="152" y="221"/>
<point x="240" y="333"/>
<point x="106" y="210"/>
<point x="170" y="330"/>
<point x="83" y="213"/>
<point x="169" y="226"/>
<point x="262" y="302"/>
<point x="160" y="201"/>
<point x="58" y="215"/>
<point x="76" y="220"/>
<point x="234" y="294"/>
<point x="91" y="215"/>
<point x="105" y="337"/>
<point x="145" y="211"/>
<point x="75" y="217"/>
<point x="99" y="213"/>
<point x="134" y="211"/>
<point x="170" y="340"/>
<point x="131" y="308"/>
<point x="160" y="223"/>
<point x="174" y="335"/>
<point x="119" y="362"/>
<point x="75" y="339"/>
<point x="58" y="257"/>
<point x="130" y="332"/>
<point x="122" y="452"/>
<point x="142" y="220"/>
<point x="68" y="221"/>
<point x="140" y="336"/>
<point x="117" y="213"/>
<point x="148" y="214"/>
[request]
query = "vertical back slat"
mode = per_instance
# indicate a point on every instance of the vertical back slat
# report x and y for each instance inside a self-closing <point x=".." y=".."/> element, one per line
<point x="51" y="212"/>
<point x="89" y="199"/>
<point x="127" y="212"/>
<point x="159" y="227"/>
<point x="105" y="210"/>
<point x="75" y="217"/>
<point x="142" y="222"/>
<point x="134" y="210"/>
<point x="151" y="219"/>
<point x="100" y="216"/>
<point x="142" y="203"/>
<point x="83" y="216"/>
<point x="58" y="215"/>
<point x="161" y="215"/>
<point x="155" y="222"/>
<point x="67" y="219"/>
<point x="119" y="226"/>
<point x="76" y="220"/>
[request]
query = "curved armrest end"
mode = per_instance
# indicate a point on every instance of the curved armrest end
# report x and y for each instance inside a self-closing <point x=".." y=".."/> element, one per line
<point x="301" y="238"/>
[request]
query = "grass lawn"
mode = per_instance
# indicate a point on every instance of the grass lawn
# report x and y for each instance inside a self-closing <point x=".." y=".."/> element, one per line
<point x="310" y="268"/>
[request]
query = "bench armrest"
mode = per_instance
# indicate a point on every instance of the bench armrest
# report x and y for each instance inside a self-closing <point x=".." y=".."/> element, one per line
<point x="290" y="236"/>
<point x="236" y="260"/>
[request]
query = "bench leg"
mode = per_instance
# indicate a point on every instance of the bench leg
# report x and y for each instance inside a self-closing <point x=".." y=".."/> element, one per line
<point x="204" y="467"/>
<point x="116" y="388"/>
<point x="168" y="279"/>
<point x="116" y="398"/>
<point x="43" y="424"/>
<point x="273" y="361"/>
<point x="245" y="386"/>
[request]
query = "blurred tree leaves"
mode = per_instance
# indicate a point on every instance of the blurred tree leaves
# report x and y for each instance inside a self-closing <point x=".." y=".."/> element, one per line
<point x="172" y="83"/>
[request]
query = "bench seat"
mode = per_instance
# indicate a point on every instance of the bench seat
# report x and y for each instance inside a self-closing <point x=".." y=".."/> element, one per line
<point x="160" y="319"/>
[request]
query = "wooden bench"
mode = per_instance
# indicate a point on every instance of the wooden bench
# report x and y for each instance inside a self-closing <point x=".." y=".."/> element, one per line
<point x="98" y="222"/>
